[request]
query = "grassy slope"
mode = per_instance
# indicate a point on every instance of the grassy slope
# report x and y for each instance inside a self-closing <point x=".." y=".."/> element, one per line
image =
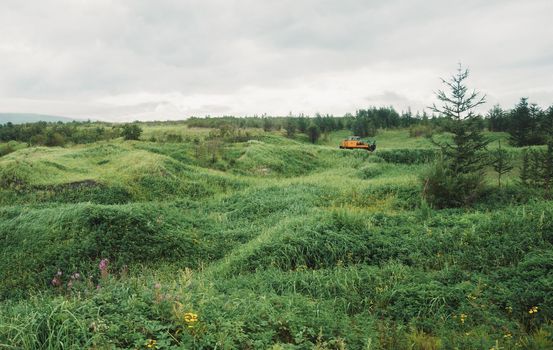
<point x="278" y="242"/>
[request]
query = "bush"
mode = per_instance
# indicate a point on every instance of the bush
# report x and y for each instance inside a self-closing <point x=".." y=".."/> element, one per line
<point x="54" y="139"/>
<point x="371" y="171"/>
<point x="6" y="149"/>
<point x="408" y="155"/>
<point x="131" y="131"/>
<point x="444" y="189"/>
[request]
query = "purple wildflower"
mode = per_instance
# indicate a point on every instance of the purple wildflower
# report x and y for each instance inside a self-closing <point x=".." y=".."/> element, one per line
<point x="103" y="264"/>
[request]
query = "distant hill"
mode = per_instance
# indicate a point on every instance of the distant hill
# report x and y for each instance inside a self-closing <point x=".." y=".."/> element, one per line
<point x="20" y="118"/>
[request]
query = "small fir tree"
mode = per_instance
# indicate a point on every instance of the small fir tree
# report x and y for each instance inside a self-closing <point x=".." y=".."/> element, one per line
<point x="464" y="160"/>
<point x="535" y="166"/>
<point x="501" y="163"/>
<point x="290" y="127"/>
<point x="313" y="132"/>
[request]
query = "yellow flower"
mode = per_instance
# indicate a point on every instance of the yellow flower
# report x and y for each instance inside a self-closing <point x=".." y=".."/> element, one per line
<point x="533" y="310"/>
<point x="151" y="344"/>
<point x="508" y="336"/>
<point x="463" y="317"/>
<point x="190" y="317"/>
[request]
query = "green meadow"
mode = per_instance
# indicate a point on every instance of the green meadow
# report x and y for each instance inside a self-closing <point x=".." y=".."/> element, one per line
<point x="265" y="242"/>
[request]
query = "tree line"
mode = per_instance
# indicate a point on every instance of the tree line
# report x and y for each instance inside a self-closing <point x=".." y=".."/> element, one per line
<point x="528" y="124"/>
<point x="59" y="133"/>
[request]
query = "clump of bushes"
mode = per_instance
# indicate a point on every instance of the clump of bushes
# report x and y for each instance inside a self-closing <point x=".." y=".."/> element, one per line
<point x="370" y="171"/>
<point x="6" y="149"/>
<point x="408" y="155"/>
<point x="14" y="175"/>
<point x="131" y="131"/>
<point x="444" y="188"/>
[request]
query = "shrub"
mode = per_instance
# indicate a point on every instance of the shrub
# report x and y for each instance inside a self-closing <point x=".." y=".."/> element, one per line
<point x="131" y="131"/>
<point x="6" y="149"/>
<point x="370" y="171"/>
<point x="54" y="139"/>
<point x="445" y="189"/>
<point x="408" y="155"/>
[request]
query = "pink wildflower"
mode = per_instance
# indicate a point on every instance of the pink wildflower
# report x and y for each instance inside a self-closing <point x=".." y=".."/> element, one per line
<point x="104" y="268"/>
<point x="103" y="264"/>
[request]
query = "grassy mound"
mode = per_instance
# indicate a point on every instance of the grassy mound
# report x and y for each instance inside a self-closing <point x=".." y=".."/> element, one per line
<point x="104" y="174"/>
<point x="260" y="158"/>
<point x="39" y="242"/>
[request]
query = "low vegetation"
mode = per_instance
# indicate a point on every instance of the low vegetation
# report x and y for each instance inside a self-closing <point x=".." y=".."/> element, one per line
<point x="210" y="234"/>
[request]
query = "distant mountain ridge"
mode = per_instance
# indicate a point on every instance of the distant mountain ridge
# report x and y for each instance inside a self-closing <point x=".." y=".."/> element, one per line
<point x="21" y="118"/>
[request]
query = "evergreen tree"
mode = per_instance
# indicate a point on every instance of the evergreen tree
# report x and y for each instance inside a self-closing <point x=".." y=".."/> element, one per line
<point x="290" y="127"/>
<point x="520" y="125"/>
<point x="537" y="168"/>
<point x="464" y="160"/>
<point x="468" y="152"/>
<point x="547" y="124"/>
<point x="267" y="124"/>
<point x="303" y="123"/>
<point x="501" y="163"/>
<point x="364" y="124"/>
<point x="535" y="165"/>
<point x="313" y="132"/>
<point x="497" y="119"/>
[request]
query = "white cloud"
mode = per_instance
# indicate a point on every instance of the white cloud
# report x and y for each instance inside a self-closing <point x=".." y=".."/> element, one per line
<point x="126" y="60"/>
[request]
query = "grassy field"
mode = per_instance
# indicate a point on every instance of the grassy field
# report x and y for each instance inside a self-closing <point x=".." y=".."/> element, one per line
<point x="264" y="243"/>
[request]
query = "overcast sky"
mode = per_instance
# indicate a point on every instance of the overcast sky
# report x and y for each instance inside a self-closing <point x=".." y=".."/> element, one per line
<point x="170" y="59"/>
